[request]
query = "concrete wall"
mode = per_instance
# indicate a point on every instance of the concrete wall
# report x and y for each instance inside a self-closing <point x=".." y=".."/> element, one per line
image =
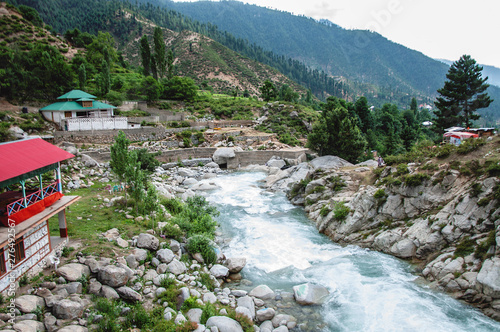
<point x="82" y="124"/>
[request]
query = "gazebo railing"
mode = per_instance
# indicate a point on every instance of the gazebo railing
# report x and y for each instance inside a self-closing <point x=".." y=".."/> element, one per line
<point x="37" y="196"/>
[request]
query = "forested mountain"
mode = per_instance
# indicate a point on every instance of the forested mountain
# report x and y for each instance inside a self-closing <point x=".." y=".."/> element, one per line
<point x="321" y="56"/>
<point x="359" y="55"/>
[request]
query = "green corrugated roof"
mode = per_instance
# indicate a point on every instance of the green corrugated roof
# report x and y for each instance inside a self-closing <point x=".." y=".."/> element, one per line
<point x="76" y="94"/>
<point x="85" y="99"/>
<point x="74" y="106"/>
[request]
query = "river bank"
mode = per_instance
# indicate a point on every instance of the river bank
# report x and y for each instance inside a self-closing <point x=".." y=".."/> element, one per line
<point x="442" y="217"/>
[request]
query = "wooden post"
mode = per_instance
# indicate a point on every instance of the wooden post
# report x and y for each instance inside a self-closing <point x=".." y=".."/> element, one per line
<point x="23" y="182"/>
<point x="59" y="181"/>
<point x="63" y="229"/>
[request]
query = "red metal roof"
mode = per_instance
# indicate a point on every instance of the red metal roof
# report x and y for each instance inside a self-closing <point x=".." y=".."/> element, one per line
<point x="20" y="157"/>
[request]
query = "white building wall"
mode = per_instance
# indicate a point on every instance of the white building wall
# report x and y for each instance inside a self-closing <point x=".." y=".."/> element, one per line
<point x="36" y="247"/>
<point x="79" y="124"/>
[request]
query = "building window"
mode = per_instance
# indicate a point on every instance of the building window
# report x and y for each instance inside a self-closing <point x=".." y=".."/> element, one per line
<point x="3" y="267"/>
<point x="19" y="250"/>
<point x="81" y="114"/>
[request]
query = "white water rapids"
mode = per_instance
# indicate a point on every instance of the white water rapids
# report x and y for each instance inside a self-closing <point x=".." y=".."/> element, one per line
<point x="369" y="291"/>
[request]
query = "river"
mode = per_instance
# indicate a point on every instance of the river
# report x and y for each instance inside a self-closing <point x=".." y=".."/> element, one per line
<point x="369" y="291"/>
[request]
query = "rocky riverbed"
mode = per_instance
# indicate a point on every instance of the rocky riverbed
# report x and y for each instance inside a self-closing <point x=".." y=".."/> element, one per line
<point x="439" y="216"/>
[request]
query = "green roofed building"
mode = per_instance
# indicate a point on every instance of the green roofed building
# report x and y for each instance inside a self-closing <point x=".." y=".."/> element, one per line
<point x="78" y="110"/>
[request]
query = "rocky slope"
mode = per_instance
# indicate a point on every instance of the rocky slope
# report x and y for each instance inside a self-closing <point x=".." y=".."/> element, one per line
<point x="443" y="217"/>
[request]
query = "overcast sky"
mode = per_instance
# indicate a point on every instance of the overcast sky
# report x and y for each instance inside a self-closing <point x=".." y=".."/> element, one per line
<point x="444" y="29"/>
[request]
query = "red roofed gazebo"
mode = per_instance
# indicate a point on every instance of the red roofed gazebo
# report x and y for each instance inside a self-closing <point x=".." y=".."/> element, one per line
<point x="30" y="193"/>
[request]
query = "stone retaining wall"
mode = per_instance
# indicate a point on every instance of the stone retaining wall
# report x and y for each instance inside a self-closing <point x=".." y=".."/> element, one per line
<point x="245" y="158"/>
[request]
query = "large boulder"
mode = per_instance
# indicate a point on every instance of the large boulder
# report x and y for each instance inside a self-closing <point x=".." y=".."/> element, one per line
<point x="67" y="309"/>
<point x="219" y="271"/>
<point x="73" y="271"/>
<point x="310" y="294"/>
<point x="148" y="241"/>
<point x="489" y="277"/>
<point x="176" y="267"/>
<point x="236" y="264"/>
<point x="224" y="324"/>
<point x="28" y="303"/>
<point x="129" y="294"/>
<point x="222" y="155"/>
<point x="165" y="255"/>
<point x="28" y="326"/>
<point x="248" y="303"/>
<point x="329" y="162"/>
<point x="262" y="292"/>
<point x="113" y="276"/>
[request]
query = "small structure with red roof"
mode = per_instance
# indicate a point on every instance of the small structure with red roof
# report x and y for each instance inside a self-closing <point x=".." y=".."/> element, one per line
<point x="30" y="194"/>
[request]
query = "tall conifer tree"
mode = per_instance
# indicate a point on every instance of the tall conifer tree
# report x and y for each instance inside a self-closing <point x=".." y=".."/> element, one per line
<point x="464" y="92"/>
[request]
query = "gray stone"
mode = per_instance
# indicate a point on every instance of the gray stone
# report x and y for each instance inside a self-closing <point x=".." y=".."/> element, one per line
<point x="129" y="294"/>
<point x="244" y="311"/>
<point x="176" y="267"/>
<point x="95" y="287"/>
<point x="489" y="277"/>
<point x="329" y="162"/>
<point x="262" y="292"/>
<point x="74" y="287"/>
<point x="109" y="293"/>
<point x="284" y="320"/>
<point x="209" y="298"/>
<point x="248" y="303"/>
<point x="73" y="328"/>
<point x="175" y="246"/>
<point x="28" y="303"/>
<point x="122" y="243"/>
<point x="148" y="241"/>
<point x="140" y="254"/>
<point x="222" y="155"/>
<point x="73" y="271"/>
<point x="265" y="314"/>
<point x="194" y="315"/>
<point x="236" y="264"/>
<point x="113" y="276"/>
<point x="131" y="261"/>
<point x="219" y="271"/>
<point x="29" y="326"/>
<point x="165" y="255"/>
<point x="224" y="324"/>
<point x="310" y="294"/>
<point x="67" y="309"/>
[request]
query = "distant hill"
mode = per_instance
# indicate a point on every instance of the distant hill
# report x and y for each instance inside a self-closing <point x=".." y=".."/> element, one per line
<point x="358" y="55"/>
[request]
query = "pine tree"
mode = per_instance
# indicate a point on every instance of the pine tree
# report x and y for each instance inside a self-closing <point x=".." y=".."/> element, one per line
<point x="464" y="92"/>
<point x="160" y="53"/>
<point x="82" y="77"/>
<point x="145" y="55"/>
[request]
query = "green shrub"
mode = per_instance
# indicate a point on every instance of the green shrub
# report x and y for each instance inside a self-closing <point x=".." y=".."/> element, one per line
<point x="445" y="150"/>
<point x="189" y="303"/>
<point x="209" y="310"/>
<point x="469" y="145"/>
<point x="380" y="193"/>
<point x="336" y="183"/>
<point x="206" y="280"/>
<point x="340" y="211"/>
<point x="203" y="245"/>
<point x="464" y="247"/>
<point x="493" y="169"/>
<point x="476" y="189"/>
<point x="325" y="210"/>
<point x="416" y="179"/>
<point x="174" y="206"/>
<point x="483" y="201"/>
<point x="481" y="251"/>
<point x="402" y="169"/>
